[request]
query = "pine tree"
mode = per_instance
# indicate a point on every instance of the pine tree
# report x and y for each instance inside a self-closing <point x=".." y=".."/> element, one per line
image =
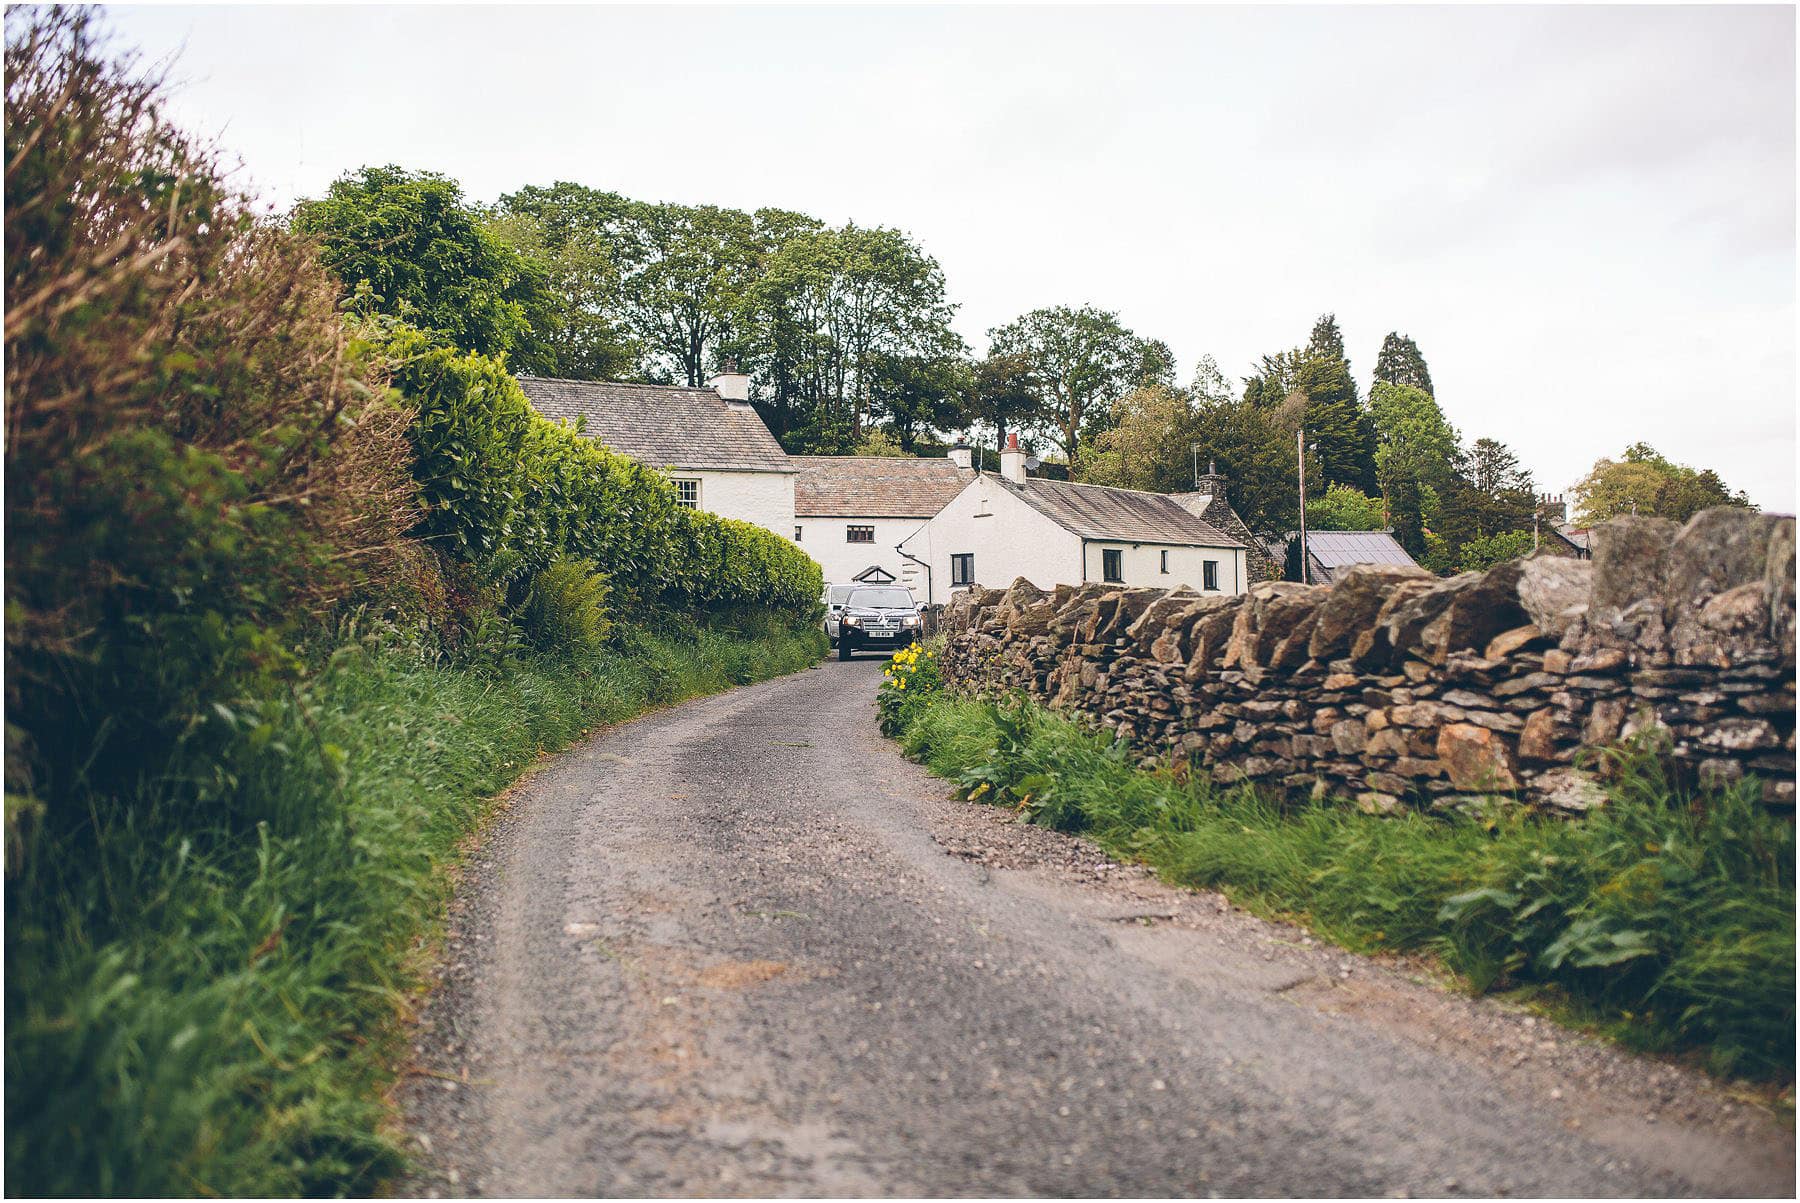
<point x="1400" y="362"/>
<point x="1336" y="422"/>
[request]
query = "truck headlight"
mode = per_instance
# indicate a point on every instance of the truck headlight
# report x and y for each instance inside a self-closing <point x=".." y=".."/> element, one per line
<point x="851" y="620"/>
<point x="911" y="620"/>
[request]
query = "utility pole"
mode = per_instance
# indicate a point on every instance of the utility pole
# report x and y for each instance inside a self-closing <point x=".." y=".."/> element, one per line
<point x="1195" y="448"/>
<point x="1305" y="559"/>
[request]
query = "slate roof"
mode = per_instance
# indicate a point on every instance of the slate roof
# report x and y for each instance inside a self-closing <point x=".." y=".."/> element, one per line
<point x="1122" y="515"/>
<point x="875" y="486"/>
<point x="665" y="426"/>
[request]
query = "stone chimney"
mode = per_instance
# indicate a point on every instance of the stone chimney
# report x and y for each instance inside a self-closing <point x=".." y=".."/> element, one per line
<point x="731" y="384"/>
<point x="1553" y="509"/>
<point x="962" y="456"/>
<point x="1210" y="483"/>
<point x="1012" y="461"/>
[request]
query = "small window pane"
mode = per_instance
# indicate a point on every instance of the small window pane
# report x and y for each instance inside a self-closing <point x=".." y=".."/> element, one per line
<point x="1112" y="564"/>
<point x="687" y="492"/>
<point x="1210" y="574"/>
<point x="796" y="534"/>
<point x="859" y="534"/>
<point x="1165" y="563"/>
<point x="962" y="569"/>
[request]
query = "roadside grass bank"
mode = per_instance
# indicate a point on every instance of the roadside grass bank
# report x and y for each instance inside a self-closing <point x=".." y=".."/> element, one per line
<point x="1663" y="920"/>
<point x="204" y="991"/>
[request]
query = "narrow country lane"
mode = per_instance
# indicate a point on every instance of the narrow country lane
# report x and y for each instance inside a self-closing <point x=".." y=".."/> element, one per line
<point x="743" y="947"/>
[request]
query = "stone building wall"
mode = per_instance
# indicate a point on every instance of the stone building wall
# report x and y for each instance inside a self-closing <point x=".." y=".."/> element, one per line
<point x="1394" y="687"/>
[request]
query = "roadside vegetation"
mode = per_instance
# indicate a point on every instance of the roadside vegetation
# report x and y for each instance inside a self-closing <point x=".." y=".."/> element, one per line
<point x="1665" y="920"/>
<point x="291" y="591"/>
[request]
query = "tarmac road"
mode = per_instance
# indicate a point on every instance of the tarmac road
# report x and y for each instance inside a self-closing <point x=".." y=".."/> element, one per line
<point x="743" y="947"/>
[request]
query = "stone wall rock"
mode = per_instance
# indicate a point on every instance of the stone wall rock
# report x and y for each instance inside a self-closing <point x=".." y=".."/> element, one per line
<point x="1392" y="687"/>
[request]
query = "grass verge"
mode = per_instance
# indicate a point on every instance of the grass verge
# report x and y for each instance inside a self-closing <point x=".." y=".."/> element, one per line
<point x="1667" y="919"/>
<point x="202" y="996"/>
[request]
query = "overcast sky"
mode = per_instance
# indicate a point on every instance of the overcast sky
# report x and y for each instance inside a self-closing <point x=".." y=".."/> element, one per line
<point x="1585" y="217"/>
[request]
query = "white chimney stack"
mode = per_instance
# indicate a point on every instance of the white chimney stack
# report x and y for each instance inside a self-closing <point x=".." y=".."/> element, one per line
<point x="1012" y="461"/>
<point x="961" y="456"/>
<point x="732" y="384"/>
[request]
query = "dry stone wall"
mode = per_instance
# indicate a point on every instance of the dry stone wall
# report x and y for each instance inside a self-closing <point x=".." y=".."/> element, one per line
<point x="1394" y="687"/>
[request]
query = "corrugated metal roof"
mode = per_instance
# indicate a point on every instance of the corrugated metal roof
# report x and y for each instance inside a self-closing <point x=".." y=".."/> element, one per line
<point x="1341" y="548"/>
<point x="1124" y="515"/>
<point x="875" y="486"/>
<point x="664" y="426"/>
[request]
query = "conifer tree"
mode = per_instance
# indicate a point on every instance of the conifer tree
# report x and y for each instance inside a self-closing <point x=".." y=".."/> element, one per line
<point x="1400" y="362"/>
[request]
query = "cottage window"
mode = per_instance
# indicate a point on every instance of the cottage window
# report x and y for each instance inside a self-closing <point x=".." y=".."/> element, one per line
<point x="962" y="569"/>
<point x="796" y="534"/>
<point x="1209" y="574"/>
<point x="859" y="534"/>
<point x="1112" y="564"/>
<point x="1165" y="563"/>
<point x="687" y="492"/>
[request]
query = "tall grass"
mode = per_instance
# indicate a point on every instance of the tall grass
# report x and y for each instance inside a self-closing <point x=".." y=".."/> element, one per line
<point x="202" y="993"/>
<point x="1671" y="916"/>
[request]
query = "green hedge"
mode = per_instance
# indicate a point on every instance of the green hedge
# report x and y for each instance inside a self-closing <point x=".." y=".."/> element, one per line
<point x="509" y="491"/>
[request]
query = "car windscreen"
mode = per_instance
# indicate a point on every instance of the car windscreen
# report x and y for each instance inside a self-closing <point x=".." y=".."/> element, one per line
<point x="839" y="592"/>
<point x="882" y="599"/>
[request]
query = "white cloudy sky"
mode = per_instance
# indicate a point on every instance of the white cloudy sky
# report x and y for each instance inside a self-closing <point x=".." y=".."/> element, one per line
<point x="1584" y="216"/>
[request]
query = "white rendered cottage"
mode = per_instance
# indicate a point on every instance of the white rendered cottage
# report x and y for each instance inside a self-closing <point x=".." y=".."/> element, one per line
<point x="1051" y="532"/>
<point x="852" y="511"/>
<point x="712" y="442"/>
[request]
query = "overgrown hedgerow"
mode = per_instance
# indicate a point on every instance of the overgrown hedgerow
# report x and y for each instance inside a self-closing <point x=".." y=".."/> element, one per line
<point x="1667" y="918"/>
<point x="228" y="814"/>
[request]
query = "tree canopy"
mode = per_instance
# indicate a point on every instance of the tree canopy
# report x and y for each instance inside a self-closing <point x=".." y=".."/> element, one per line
<point x="406" y="244"/>
<point x="1082" y="360"/>
<point x="1645" y="482"/>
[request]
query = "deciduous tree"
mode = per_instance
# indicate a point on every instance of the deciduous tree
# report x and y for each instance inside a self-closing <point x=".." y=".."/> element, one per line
<point x="1083" y="360"/>
<point x="1644" y="482"/>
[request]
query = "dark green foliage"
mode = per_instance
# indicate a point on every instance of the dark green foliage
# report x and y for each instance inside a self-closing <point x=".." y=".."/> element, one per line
<point x="1490" y="494"/>
<point x="1480" y="554"/>
<point x="1401" y="362"/>
<point x="202" y="999"/>
<point x="406" y="244"/>
<point x="1252" y="448"/>
<point x="1669" y="916"/>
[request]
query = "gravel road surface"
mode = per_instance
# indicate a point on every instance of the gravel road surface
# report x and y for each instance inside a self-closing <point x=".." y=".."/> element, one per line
<point x="743" y="947"/>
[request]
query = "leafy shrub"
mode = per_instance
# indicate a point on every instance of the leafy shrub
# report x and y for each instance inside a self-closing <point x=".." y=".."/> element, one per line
<point x="1670" y="915"/>
<point x="566" y="608"/>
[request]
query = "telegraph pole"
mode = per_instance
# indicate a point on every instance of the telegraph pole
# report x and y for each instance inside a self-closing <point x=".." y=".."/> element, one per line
<point x="1305" y="559"/>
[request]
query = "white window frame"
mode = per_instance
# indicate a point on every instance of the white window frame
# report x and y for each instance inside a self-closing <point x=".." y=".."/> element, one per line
<point x="687" y="491"/>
